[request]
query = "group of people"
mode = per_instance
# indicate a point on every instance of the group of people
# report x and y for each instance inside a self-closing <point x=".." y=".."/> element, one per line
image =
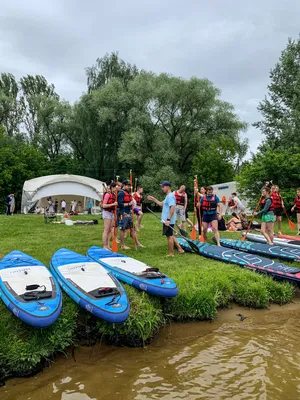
<point x="120" y="206"/>
<point x="271" y="208"/>
<point x="10" y="204"/>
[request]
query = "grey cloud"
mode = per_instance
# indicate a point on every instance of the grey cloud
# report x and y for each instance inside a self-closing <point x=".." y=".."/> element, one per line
<point x="233" y="43"/>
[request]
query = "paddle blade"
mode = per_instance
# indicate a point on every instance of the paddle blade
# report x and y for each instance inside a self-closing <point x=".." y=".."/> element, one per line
<point x="292" y="225"/>
<point x="201" y="239"/>
<point x="193" y="234"/>
<point x="193" y="246"/>
<point x="114" y="245"/>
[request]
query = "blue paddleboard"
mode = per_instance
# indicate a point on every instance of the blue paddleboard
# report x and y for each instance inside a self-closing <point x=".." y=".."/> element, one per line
<point x="134" y="272"/>
<point x="90" y="285"/>
<point x="29" y="290"/>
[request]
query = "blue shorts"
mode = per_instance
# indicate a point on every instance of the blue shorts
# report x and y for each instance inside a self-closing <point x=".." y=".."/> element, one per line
<point x="209" y="218"/>
<point x="125" y="222"/>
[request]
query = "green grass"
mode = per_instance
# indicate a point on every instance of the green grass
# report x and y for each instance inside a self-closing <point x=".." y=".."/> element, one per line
<point x="204" y="287"/>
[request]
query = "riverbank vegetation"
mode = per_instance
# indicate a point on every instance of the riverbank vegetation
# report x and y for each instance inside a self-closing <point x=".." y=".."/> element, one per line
<point x="204" y="287"/>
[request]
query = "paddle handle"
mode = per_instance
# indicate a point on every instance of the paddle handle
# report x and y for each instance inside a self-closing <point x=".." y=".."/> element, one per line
<point x="250" y="224"/>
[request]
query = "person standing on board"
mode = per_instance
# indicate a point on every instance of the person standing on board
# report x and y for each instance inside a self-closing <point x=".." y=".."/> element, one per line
<point x="181" y="206"/>
<point x="297" y="209"/>
<point x="210" y="203"/>
<point x="267" y="215"/>
<point x="125" y="214"/>
<point x="138" y="197"/>
<point x="278" y="206"/>
<point x="168" y="216"/>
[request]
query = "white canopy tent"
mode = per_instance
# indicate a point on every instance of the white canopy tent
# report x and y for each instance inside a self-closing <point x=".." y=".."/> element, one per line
<point x="67" y="187"/>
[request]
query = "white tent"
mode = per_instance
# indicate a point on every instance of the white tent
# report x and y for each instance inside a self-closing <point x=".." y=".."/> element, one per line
<point x="67" y="187"/>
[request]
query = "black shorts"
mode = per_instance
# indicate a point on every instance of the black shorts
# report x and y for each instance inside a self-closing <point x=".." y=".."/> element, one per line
<point x="278" y="212"/>
<point x="167" y="230"/>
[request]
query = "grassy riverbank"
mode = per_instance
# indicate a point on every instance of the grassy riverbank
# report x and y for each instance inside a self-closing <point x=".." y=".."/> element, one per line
<point x="204" y="286"/>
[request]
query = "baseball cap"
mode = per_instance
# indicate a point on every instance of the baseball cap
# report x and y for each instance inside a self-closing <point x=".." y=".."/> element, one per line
<point x="165" y="183"/>
<point x="126" y="182"/>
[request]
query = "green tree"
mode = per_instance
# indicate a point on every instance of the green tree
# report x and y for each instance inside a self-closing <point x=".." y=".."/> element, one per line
<point x="108" y="67"/>
<point x="278" y="157"/>
<point x="172" y="120"/>
<point x="10" y="110"/>
<point x="19" y="161"/>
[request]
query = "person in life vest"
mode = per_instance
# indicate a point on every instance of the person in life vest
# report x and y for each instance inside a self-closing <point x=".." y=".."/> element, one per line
<point x="125" y="215"/>
<point x="210" y="203"/>
<point x="181" y="206"/>
<point x="296" y="208"/>
<point x="138" y="197"/>
<point x="199" y="195"/>
<point x="267" y="215"/>
<point x="109" y="204"/>
<point x="278" y="206"/>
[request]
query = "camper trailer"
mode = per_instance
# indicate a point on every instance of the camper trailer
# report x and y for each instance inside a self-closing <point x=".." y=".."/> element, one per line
<point x="224" y="190"/>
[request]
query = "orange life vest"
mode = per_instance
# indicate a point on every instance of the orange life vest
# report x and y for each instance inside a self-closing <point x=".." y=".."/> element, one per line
<point x="276" y="200"/>
<point x="111" y="199"/>
<point x="180" y="198"/>
<point x="297" y="204"/>
<point x="209" y="205"/>
<point x="262" y="204"/>
<point x="138" y="198"/>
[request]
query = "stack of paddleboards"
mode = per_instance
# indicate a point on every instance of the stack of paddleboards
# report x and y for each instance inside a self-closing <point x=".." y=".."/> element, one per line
<point x="29" y="290"/>
<point x="135" y="273"/>
<point x="244" y="259"/>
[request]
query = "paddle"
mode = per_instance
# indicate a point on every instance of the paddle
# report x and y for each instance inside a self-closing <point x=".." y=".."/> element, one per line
<point x="291" y="223"/>
<point x="193" y="234"/>
<point x="252" y="219"/>
<point x="192" y="245"/>
<point x="114" y="244"/>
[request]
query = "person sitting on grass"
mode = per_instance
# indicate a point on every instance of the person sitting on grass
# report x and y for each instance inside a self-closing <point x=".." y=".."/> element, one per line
<point x="168" y="216"/>
<point x="209" y="204"/>
<point x="221" y="223"/>
<point x="235" y="223"/>
<point x="244" y="220"/>
<point x="267" y="215"/>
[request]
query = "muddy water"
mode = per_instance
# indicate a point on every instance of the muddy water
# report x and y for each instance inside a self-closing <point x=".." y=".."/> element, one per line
<point x="258" y="358"/>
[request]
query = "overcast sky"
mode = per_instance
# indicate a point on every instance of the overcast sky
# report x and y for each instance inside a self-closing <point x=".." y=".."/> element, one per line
<point x="234" y="43"/>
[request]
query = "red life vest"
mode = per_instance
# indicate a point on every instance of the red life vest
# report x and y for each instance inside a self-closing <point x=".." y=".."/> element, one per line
<point x="230" y="203"/>
<point x="111" y="199"/>
<point x="297" y="204"/>
<point x="180" y="198"/>
<point x="276" y="200"/>
<point x="262" y="204"/>
<point x="127" y="197"/>
<point x="138" y="198"/>
<point x="209" y="205"/>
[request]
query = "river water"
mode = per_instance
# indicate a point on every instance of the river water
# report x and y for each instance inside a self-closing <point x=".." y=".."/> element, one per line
<point x="258" y="358"/>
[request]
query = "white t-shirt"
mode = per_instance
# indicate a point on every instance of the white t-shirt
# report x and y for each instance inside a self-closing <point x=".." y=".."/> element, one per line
<point x="63" y="204"/>
<point x="239" y="205"/>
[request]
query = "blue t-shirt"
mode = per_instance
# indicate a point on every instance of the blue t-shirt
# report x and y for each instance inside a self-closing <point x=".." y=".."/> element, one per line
<point x="168" y="203"/>
<point x="217" y="200"/>
<point x="122" y="208"/>
<point x="90" y="204"/>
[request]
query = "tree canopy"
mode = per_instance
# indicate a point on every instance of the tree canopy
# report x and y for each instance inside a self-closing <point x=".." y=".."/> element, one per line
<point x="161" y="126"/>
<point x="278" y="157"/>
